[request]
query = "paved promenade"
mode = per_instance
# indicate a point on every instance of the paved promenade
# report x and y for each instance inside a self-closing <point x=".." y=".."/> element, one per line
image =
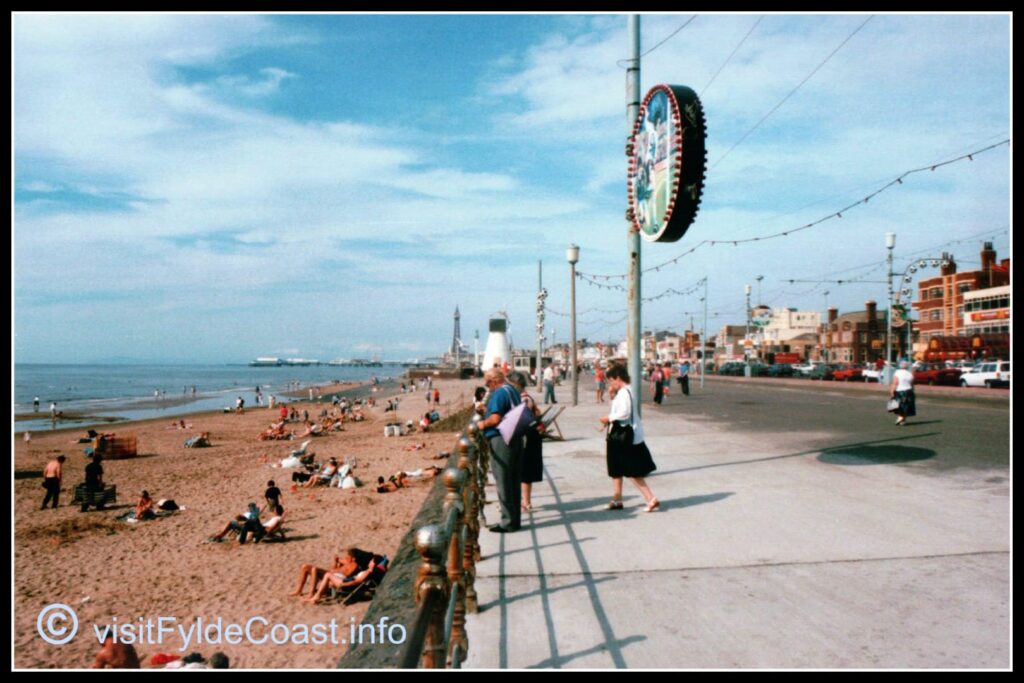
<point x="767" y="553"/>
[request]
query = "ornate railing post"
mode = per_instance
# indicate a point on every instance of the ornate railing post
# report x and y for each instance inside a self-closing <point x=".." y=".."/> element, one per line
<point x="468" y="461"/>
<point x="454" y="513"/>
<point x="432" y="591"/>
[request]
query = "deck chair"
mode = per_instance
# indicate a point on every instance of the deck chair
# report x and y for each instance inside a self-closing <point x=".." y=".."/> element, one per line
<point x="365" y="590"/>
<point x="301" y="450"/>
<point x="551" y="421"/>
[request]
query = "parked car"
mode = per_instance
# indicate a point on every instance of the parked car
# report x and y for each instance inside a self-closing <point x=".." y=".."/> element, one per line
<point x="848" y="373"/>
<point x="937" y="374"/>
<point x="871" y="373"/>
<point x="987" y="374"/>
<point x="824" y="371"/>
<point x="780" y="370"/>
<point x="805" y="369"/>
<point x="733" y="368"/>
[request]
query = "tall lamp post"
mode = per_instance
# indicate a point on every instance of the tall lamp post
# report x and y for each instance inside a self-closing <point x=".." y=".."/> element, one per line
<point x="828" y="330"/>
<point x="890" y="242"/>
<point x="572" y="254"/>
<point x="746" y="338"/>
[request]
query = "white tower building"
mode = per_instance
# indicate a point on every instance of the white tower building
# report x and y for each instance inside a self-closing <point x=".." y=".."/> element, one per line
<point x="497" y="351"/>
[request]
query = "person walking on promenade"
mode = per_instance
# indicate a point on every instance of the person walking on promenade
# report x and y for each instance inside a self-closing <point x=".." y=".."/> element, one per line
<point x="35" y="404"/>
<point x="656" y="384"/>
<point x="506" y="459"/>
<point x="533" y="445"/>
<point x="53" y="473"/>
<point x="626" y="453"/>
<point x="601" y="380"/>
<point x="902" y="390"/>
<point x="549" y="384"/>
<point x="684" y="376"/>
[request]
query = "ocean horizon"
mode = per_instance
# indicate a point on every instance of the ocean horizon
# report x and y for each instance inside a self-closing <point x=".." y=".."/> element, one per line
<point x="142" y="391"/>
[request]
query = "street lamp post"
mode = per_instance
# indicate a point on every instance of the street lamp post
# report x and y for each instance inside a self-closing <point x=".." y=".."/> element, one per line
<point x="890" y="242"/>
<point x="572" y="254"/>
<point x="746" y="337"/>
<point x="826" y="328"/>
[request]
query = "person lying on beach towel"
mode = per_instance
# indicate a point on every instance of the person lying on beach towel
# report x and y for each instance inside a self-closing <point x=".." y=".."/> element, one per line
<point x="422" y="473"/>
<point x="201" y="441"/>
<point x="392" y="484"/>
<point x="356" y="567"/>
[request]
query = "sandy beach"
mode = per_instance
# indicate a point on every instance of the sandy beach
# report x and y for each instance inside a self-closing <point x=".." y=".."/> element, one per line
<point x="109" y="571"/>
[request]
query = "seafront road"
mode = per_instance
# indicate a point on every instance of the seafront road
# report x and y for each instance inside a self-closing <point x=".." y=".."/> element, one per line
<point x="800" y="528"/>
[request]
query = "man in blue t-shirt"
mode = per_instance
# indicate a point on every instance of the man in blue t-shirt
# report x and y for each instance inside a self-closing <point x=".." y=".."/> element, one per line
<point x="506" y="459"/>
<point x="684" y="376"/>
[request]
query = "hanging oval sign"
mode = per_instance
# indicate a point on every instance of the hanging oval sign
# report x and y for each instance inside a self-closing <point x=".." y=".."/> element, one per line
<point x="761" y="316"/>
<point x="667" y="163"/>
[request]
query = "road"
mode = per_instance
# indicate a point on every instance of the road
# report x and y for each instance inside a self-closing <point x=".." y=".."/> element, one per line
<point x="953" y="428"/>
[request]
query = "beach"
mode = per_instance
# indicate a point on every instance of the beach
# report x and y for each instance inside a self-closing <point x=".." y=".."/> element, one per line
<point x="113" y="572"/>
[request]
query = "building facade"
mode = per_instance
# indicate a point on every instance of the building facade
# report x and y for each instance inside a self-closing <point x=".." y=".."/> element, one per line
<point x="858" y="337"/>
<point x="941" y="301"/>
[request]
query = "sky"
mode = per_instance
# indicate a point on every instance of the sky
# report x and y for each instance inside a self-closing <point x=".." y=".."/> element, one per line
<point x="203" y="188"/>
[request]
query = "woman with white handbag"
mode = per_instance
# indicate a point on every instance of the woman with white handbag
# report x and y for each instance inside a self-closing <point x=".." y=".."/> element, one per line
<point x="901" y="395"/>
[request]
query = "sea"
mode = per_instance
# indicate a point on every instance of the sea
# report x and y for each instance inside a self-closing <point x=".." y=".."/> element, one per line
<point x="139" y="392"/>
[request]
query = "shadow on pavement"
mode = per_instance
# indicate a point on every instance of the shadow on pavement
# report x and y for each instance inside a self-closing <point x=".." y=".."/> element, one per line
<point x="875" y="455"/>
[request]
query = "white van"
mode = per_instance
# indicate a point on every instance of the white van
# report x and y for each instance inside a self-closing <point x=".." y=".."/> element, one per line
<point x="988" y="374"/>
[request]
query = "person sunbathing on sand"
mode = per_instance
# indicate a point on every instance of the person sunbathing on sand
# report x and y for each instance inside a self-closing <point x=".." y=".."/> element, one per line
<point x="274" y="523"/>
<point x="356" y="567"/>
<point x="316" y="573"/>
<point x="388" y="486"/>
<point x="144" y="508"/>
<point x="238" y="523"/>
<point x="312" y="430"/>
<point x="423" y="473"/>
<point x="324" y="476"/>
<point x="116" y="656"/>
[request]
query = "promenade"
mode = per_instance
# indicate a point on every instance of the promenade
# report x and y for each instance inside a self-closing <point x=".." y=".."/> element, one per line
<point x="774" y="548"/>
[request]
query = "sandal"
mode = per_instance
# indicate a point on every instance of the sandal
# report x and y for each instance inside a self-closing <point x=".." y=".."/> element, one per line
<point x="613" y="505"/>
<point x="653" y="505"/>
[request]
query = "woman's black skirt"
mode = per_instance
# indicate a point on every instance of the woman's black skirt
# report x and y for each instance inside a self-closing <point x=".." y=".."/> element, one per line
<point x="533" y="464"/>
<point x="629" y="461"/>
<point x="907" y="405"/>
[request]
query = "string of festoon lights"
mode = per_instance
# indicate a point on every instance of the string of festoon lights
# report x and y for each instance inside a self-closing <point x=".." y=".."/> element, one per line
<point x="668" y="292"/>
<point x="596" y="280"/>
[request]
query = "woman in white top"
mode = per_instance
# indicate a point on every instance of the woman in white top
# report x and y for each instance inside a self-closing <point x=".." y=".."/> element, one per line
<point x="630" y="460"/>
<point x="902" y="390"/>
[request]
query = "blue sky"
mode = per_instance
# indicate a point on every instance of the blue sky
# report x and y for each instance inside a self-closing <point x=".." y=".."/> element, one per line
<point x="210" y="188"/>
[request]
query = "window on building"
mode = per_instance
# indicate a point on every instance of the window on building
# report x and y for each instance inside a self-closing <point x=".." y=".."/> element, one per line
<point x="936" y="315"/>
<point x="963" y="287"/>
<point x="936" y="293"/>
